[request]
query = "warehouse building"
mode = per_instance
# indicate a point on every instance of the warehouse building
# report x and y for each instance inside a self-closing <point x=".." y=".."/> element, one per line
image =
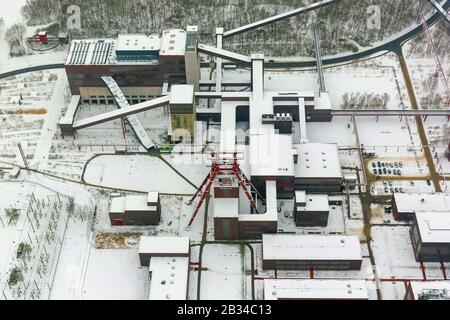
<point x="141" y="210"/>
<point x="306" y="252"/>
<point x="428" y="290"/>
<point x="430" y="236"/>
<point x="168" y="262"/>
<point x="296" y="289"/>
<point x="405" y="205"/>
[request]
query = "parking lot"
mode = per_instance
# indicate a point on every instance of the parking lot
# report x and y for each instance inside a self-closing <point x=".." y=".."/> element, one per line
<point x="388" y="187"/>
<point x="398" y="168"/>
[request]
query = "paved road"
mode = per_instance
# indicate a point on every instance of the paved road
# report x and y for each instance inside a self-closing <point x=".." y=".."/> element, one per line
<point x="420" y="127"/>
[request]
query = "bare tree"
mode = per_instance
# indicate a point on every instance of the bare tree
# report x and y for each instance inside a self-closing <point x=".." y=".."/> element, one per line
<point x="15" y="37"/>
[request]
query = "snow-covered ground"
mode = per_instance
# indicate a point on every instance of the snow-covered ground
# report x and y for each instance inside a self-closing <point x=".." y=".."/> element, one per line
<point x="394" y="255"/>
<point x="141" y="173"/>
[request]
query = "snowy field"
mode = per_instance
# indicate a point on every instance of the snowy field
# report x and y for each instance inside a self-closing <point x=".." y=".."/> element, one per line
<point x="141" y="173"/>
<point x="376" y="77"/>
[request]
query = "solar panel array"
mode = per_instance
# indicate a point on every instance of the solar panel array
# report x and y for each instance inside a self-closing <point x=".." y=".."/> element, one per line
<point x="94" y="53"/>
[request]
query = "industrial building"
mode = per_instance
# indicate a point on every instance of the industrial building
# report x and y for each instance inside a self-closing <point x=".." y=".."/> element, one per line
<point x="278" y="160"/>
<point x="140" y="64"/>
<point x="306" y="252"/>
<point x="405" y="205"/>
<point x="168" y="261"/>
<point x="144" y="210"/>
<point x="427" y="290"/>
<point x="430" y="236"/>
<point x="311" y="210"/>
<point x="308" y="289"/>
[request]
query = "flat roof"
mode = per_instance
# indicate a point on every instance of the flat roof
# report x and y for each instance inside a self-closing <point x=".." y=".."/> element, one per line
<point x="137" y="203"/>
<point x="169" y="278"/>
<point x="152" y="197"/>
<point x="434" y="227"/>
<point x="300" y="196"/>
<point x="418" y="287"/>
<point x="90" y="52"/>
<point x="280" y="289"/>
<point x="138" y="42"/>
<point x="315" y="202"/>
<point x="117" y="205"/>
<point x="412" y="202"/>
<point x="157" y="246"/>
<point x="318" y="160"/>
<point x="173" y="42"/>
<point x="226" y="207"/>
<point x="182" y="94"/>
<point x="311" y="247"/>
<point x="271" y="154"/>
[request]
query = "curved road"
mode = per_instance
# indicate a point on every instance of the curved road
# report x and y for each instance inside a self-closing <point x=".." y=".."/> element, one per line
<point x="393" y="45"/>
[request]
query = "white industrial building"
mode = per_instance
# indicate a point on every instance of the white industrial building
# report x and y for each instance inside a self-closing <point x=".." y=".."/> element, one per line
<point x="168" y="261"/>
<point x="405" y="205"/>
<point x="430" y="236"/>
<point x="298" y="289"/>
<point x="306" y="252"/>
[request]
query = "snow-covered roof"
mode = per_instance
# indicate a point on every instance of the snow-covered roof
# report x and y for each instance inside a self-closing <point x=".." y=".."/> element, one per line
<point x="418" y="287"/>
<point x="117" y="205"/>
<point x="182" y="94"/>
<point x="138" y="42"/>
<point x="318" y="160"/>
<point x="164" y="246"/>
<point x="226" y="207"/>
<point x="315" y="203"/>
<point x="173" y="42"/>
<point x="152" y="197"/>
<point x="300" y="197"/>
<point x="169" y="279"/>
<point x="271" y="155"/>
<point x="413" y="202"/>
<point x="323" y="102"/>
<point x="434" y="227"/>
<point x="280" y="289"/>
<point x="138" y="203"/>
<point x="310" y="247"/>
